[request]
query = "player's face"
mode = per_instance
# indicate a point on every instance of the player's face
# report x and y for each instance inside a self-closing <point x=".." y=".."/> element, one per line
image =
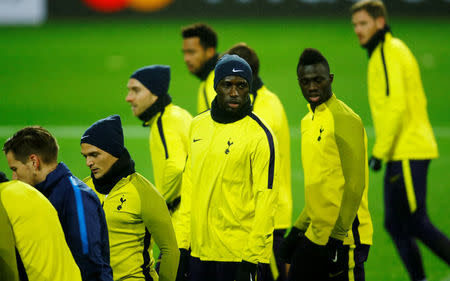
<point x="365" y="26"/>
<point x="315" y="82"/>
<point x="22" y="171"/>
<point x="98" y="161"/>
<point x="232" y="93"/>
<point x="139" y="97"/>
<point x="195" y="56"/>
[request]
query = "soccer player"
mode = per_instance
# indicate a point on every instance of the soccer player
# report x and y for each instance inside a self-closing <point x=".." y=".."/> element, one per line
<point x="169" y="128"/>
<point x="404" y="137"/>
<point x="135" y="211"/>
<point x="32" y="154"/>
<point x="229" y="192"/>
<point x="269" y="107"/>
<point x="321" y="245"/>
<point x="30" y="229"/>
<point x="200" y="56"/>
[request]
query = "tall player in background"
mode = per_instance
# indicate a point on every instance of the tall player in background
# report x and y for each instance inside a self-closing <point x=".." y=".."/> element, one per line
<point x="404" y="137"/>
<point x="169" y="128"/>
<point x="200" y="56"/>
<point x="268" y="106"/>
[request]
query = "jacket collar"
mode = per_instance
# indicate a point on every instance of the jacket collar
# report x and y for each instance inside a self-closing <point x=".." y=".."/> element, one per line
<point x="376" y="39"/>
<point x="207" y="68"/>
<point x="221" y="116"/>
<point x="154" y="109"/>
<point x="122" y="168"/>
<point x="53" y="178"/>
<point x="322" y="106"/>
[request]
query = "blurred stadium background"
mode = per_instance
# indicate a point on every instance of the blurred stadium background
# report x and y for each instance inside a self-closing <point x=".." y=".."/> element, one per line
<point x="65" y="63"/>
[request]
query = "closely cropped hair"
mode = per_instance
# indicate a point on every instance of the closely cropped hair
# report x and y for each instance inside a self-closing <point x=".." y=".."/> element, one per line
<point x="375" y="8"/>
<point x="248" y="54"/>
<point x="207" y="35"/>
<point x="32" y="140"/>
<point x="311" y="56"/>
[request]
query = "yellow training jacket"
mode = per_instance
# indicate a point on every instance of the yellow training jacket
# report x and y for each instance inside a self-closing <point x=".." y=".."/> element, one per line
<point x="168" y="149"/>
<point x="206" y="93"/>
<point x="269" y="107"/>
<point x="229" y="192"/>
<point x="398" y="104"/>
<point x="38" y="236"/>
<point x="334" y="158"/>
<point x="135" y="213"/>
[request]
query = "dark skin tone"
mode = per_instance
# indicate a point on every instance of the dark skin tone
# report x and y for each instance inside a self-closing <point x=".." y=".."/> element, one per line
<point x="232" y="93"/>
<point x="315" y="81"/>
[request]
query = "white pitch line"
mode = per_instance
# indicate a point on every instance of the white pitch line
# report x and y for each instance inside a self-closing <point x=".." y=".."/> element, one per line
<point x="139" y="132"/>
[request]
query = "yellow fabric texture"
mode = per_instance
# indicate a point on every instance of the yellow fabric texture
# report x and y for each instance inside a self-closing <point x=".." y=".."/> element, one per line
<point x="167" y="172"/>
<point x="227" y="206"/>
<point x="269" y="107"/>
<point x="38" y="234"/>
<point x="206" y="93"/>
<point x="400" y="117"/>
<point x="335" y="170"/>
<point x="136" y="212"/>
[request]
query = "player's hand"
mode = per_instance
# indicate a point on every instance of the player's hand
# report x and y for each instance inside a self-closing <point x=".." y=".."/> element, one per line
<point x="246" y="271"/>
<point x="183" y="266"/>
<point x="289" y="243"/>
<point x="3" y="177"/>
<point x="375" y="163"/>
<point x="337" y="261"/>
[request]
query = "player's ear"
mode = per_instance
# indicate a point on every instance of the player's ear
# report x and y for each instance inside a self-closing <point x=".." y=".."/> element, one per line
<point x="35" y="161"/>
<point x="210" y="52"/>
<point x="331" y="77"/>
<point x="380" y="22"/>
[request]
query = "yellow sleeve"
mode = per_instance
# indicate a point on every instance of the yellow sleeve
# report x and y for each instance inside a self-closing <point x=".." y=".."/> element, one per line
<point x="183" y="224"/>
<point x="39" y="237"/>
<point x="175" y="136"/>
<point x="264" y="173"/>
<point x="350" y="135"/>
<point x="392" y="112"/>
<point x="206" y="93"/>
<point x="157" y="219"/>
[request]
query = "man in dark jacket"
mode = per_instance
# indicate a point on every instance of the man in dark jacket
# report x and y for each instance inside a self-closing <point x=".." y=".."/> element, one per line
<point x="32" y="156"/>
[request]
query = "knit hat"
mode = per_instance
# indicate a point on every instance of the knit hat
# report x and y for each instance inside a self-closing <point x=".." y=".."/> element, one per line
<point x="106" y="134"/>
<point x="232" y="65"/>
<point x="155" y="78"/>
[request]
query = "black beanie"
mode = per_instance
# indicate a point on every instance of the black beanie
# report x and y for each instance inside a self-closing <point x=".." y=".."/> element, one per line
<point x="106" y="134"/>
<point x="155" y="78"/>
<point x="232" y="65"/>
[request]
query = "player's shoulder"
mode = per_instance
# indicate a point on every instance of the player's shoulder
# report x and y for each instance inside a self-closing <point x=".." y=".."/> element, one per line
<point x="175" y="112"/>
<point x="202" y="117"/>
<point x="344" y="115"/>
<point x="258" y="126"/>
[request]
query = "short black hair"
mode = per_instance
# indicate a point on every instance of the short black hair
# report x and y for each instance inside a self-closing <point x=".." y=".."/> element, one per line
<point x="311" y="56"/>
<point x="32" y="140"/>
<point x="206" y="34"/>
<point x="248" y="54"/>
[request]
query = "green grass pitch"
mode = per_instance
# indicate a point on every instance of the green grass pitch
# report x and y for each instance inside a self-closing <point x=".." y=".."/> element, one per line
<point x="65" y="75"/>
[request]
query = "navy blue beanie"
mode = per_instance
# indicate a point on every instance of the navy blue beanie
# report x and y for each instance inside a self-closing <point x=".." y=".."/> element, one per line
<point x="155" y="78"/>
<point x="232" y="65"/>
<point x="106" y="134"/>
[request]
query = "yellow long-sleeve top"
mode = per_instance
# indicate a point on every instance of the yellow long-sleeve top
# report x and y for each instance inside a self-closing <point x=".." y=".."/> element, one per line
<point x="229" y="190"/>
<point x="398" y="104"/>
<point x="206" y="93"/>
<point x="334" y="159"/>
<point x="168" y="142"/>
<point x="135" y="213"/>
<point x="269" y="107"/>
<point x="38" y="235"/>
